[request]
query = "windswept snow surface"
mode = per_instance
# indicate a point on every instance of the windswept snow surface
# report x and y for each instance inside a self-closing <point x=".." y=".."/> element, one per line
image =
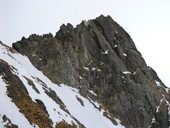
<point x="86" y="114"/>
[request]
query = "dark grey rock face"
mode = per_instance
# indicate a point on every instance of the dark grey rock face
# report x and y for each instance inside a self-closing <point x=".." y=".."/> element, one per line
<point x="100" y="55"/>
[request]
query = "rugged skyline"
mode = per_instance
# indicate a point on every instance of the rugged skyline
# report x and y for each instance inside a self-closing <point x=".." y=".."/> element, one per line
<point x="146" y="21"/>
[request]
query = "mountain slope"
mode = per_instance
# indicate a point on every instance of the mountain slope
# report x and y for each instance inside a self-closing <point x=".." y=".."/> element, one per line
<point x="88" y="76"/>
<point x="27" y="87"/>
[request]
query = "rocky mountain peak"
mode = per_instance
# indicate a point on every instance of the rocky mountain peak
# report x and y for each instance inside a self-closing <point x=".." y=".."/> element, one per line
<point x="99" y="58"/>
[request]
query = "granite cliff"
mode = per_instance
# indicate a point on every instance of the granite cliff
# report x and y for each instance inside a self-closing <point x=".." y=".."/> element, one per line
<point x="99" y="61"/>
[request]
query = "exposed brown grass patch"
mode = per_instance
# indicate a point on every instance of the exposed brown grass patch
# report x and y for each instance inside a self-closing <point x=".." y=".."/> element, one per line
<point x="31" y="83"/>
<point x="19" y="95"/>
<point x="63" y="124"/>
<point x="33" y="112"/>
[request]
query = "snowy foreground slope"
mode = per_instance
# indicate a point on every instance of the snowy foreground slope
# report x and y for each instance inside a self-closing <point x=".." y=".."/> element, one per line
<point x="78" y="109"/>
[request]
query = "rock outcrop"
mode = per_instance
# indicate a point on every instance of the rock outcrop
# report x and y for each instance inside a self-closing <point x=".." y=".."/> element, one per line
<point x="99" y="55"/>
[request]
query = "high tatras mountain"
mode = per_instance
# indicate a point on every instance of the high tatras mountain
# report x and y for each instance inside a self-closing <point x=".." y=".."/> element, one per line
<point x="90" y="76"/>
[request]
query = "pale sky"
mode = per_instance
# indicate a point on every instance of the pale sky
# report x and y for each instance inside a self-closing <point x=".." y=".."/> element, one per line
<point x="147" y="21"/>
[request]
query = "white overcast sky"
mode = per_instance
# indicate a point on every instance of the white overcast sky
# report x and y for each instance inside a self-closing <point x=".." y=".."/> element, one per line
<point x="147" y="21"/>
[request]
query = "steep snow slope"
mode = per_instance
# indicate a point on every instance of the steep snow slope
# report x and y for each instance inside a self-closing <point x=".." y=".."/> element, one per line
<point x="78" y="109"/>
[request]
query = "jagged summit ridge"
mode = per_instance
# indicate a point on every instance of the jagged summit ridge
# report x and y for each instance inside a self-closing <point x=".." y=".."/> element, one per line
<point x="99" y="58"/>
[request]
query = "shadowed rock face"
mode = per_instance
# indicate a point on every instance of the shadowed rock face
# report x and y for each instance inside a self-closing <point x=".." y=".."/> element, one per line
<point x="100" y="55"/>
